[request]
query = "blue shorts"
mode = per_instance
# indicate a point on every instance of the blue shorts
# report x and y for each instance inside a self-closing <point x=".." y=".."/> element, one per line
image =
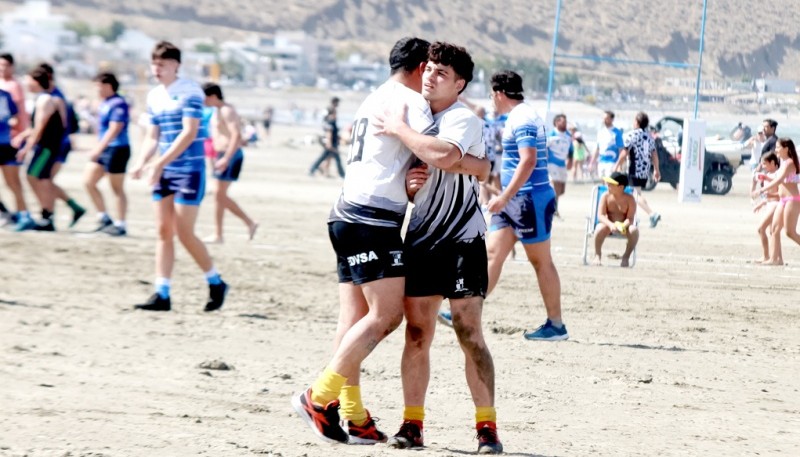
<point x="66" y="148"/>
<point x="8" y="156"/>
<point x="188" y="187"/>
<point x="234" y="167"/>
<point x="114" y="159"/>
<point x="529" y="214"/>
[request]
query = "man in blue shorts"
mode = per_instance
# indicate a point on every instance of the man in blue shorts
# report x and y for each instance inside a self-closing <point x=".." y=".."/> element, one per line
<point x="177" y="175"/>
<point x="224" y="126"/>
<point x="110" y="156"/>
<point x="524" y="209"/>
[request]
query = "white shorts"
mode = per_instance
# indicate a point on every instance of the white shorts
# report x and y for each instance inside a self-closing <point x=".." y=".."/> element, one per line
<point x="605" y="168"/>
<point x="557" y="174"/>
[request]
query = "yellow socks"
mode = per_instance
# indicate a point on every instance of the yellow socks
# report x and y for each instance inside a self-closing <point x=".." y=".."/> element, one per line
<point x="414" y="413"/>
<point x="350" y="405"/>
<point x="327" y="387"/>
<point x="485" y="414"/>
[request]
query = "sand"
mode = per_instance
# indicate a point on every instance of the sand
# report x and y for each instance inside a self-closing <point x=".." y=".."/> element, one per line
<point x="692" y="352"/>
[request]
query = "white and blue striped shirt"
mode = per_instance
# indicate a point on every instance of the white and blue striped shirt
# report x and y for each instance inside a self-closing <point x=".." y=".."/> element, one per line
<point x="524" y="129"/>
<point x="167" y="106"/>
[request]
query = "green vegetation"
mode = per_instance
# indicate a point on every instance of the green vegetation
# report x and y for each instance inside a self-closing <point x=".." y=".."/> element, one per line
<point x="109" y="34"/>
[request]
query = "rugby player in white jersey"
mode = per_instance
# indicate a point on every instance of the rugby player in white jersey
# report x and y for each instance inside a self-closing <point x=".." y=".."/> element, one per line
<point x="559" y="155"/>
<point x="445" y="247"/>
<point x="177" y="175"/>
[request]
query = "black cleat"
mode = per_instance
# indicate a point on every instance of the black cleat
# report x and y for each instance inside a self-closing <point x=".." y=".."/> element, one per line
<point x="76" y="216"/>
<point x="216" y="296"/>
<point x="155" y="303"/>
<point x="45" y="226"/>
<point x="104" y="224"/>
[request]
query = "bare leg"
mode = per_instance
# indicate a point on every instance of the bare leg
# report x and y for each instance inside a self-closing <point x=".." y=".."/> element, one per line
<point x="165" y="246"/>
<point x="498" y="245"/>
<point x="547" y="276"/>
<point x="237" y="211"/>
<point x="415" y="367"/>
<point x="94" y="173"/>
<point x="633" y="238"/>
<point x="764" y="230"/>
<point x="117" y="181"/>
<point x="13" y="181"/>
<point x="777" y="226"/>
<point x="791" y="213"/>
<point x="352" y="308"/>
<point x="185" y="218"/>
<point x="479" y="366"/>
<point x="601" y="232"/>
<point x="642" y="202"/>
<point x="385" y="298"/>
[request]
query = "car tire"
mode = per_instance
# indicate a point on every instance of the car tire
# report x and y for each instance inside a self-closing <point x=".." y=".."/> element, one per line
<point x="718" y="182"/>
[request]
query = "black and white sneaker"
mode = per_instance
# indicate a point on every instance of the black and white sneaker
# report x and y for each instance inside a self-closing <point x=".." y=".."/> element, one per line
<point x="104" y="224"/>
<point x="114" y="230"/>
<point x="155" y="303"/>
<point x="216" y="296"/>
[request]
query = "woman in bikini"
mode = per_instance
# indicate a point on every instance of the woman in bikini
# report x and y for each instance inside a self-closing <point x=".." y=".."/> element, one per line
<point x="765" y="208"/>
<point x="788" y="209"/>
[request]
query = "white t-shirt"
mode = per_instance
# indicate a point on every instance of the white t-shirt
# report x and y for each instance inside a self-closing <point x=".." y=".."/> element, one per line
<point x="374" y="190"/>
<point x="446" y="208"/>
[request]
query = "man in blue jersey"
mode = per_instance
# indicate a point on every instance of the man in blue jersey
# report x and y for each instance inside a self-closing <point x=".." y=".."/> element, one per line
<point x="8" y="154"/>
<point x="177" y="174"/>
<point x="66" y="146"/>
<point x="525" y="208"/>
<point x="111" y="154"/>
<point x="609" y="145"/>
<point x="559" y="155"/>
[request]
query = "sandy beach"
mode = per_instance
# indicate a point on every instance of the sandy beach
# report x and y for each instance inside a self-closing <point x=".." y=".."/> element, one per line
<point x="692" y="352"/>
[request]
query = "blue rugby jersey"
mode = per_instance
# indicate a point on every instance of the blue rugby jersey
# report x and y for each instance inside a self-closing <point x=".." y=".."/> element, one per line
<point x="524" y="128"/>
<point x="8" y="109"/>
<point x="167" y="106"/>
<point x="114" y="109"/>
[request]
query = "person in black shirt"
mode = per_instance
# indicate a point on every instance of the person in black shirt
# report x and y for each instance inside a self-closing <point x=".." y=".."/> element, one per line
<point x="330" y="141"/>
<point x="770" y="125"/>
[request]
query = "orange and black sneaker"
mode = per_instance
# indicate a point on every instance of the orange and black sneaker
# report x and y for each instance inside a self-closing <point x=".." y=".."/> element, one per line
<point x="323" y="420"/>
<point x="365" y="434"/>
<point x="488" y="442"/>
<point x="409" y="436"/>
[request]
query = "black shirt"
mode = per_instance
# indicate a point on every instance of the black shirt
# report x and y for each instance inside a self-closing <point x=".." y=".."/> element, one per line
<point x="769" y="145"/>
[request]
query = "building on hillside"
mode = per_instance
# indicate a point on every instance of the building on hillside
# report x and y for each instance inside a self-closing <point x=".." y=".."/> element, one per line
<point x="33" y="34"/>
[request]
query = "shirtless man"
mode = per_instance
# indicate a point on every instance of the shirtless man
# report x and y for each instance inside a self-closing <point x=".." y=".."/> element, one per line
<point x="227" y="140"/>
<point x="615" y="215"/>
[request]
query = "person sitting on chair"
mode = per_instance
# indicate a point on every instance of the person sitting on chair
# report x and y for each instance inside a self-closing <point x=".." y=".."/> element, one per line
<point x="615" y="215"/>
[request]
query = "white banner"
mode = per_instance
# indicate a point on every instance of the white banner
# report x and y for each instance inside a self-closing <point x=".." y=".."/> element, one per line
<point x="693" y="151"/>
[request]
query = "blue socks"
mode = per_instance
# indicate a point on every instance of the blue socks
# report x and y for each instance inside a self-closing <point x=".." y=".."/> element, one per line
<point x="162" y="287"/>
<point x="212" y="276"/>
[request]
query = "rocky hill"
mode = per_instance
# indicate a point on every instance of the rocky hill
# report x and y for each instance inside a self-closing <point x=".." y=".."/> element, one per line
<point x="743" y="38"/>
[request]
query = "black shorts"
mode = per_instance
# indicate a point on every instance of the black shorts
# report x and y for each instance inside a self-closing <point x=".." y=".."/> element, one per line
<point x="44" y="158"/>
<point x="452" y="270"/>
<point x="366" y="253"/>
<point x="637" y="182"/>
<point x="115" y="159"/>
<point x="8" y="155"/>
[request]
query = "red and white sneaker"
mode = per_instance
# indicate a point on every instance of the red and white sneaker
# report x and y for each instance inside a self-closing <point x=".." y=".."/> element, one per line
<point x="323" y="420"/>
<point x="365" y="434"/>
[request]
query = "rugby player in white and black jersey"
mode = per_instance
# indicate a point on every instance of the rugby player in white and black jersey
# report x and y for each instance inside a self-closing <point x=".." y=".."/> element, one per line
<point x="445" y="249"/>
<point x="364" y="227"/>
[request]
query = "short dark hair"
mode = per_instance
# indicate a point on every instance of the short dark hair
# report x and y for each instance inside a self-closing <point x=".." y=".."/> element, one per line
<point x="407" y="54"/>
<point x="7" y="57"/>
<point x="771" y="157"/>
<point x="642" y="120"/>
<point x="610" y="114"/>
<point x="557" y="117"/>
<point x="41" y="77"/>
<point x="454" y="56"/>
<point x="213" y="89"/>
<point x="772" y="123"/>
<point x="509" y="83"/>
<point x="48" y="68"/>
<point x="335" y="101"/>
<point x="107" y="78"/>
<point x="166" y="50"/>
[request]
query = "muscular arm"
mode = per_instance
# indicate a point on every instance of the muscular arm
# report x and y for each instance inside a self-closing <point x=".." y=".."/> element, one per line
<point x="44" y="109"/>
<point x="431" y="150"/>
<point x="471" y="165"/>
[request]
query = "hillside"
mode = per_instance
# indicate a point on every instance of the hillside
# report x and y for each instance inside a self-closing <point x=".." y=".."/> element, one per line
<point x="741" y="39"/>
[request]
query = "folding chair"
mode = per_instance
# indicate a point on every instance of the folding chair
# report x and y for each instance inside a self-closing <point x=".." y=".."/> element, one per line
<point x="591" y="223"/>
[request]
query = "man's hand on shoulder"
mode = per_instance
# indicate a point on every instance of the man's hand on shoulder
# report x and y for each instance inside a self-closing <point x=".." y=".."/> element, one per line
<point x="391" y="121"/>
